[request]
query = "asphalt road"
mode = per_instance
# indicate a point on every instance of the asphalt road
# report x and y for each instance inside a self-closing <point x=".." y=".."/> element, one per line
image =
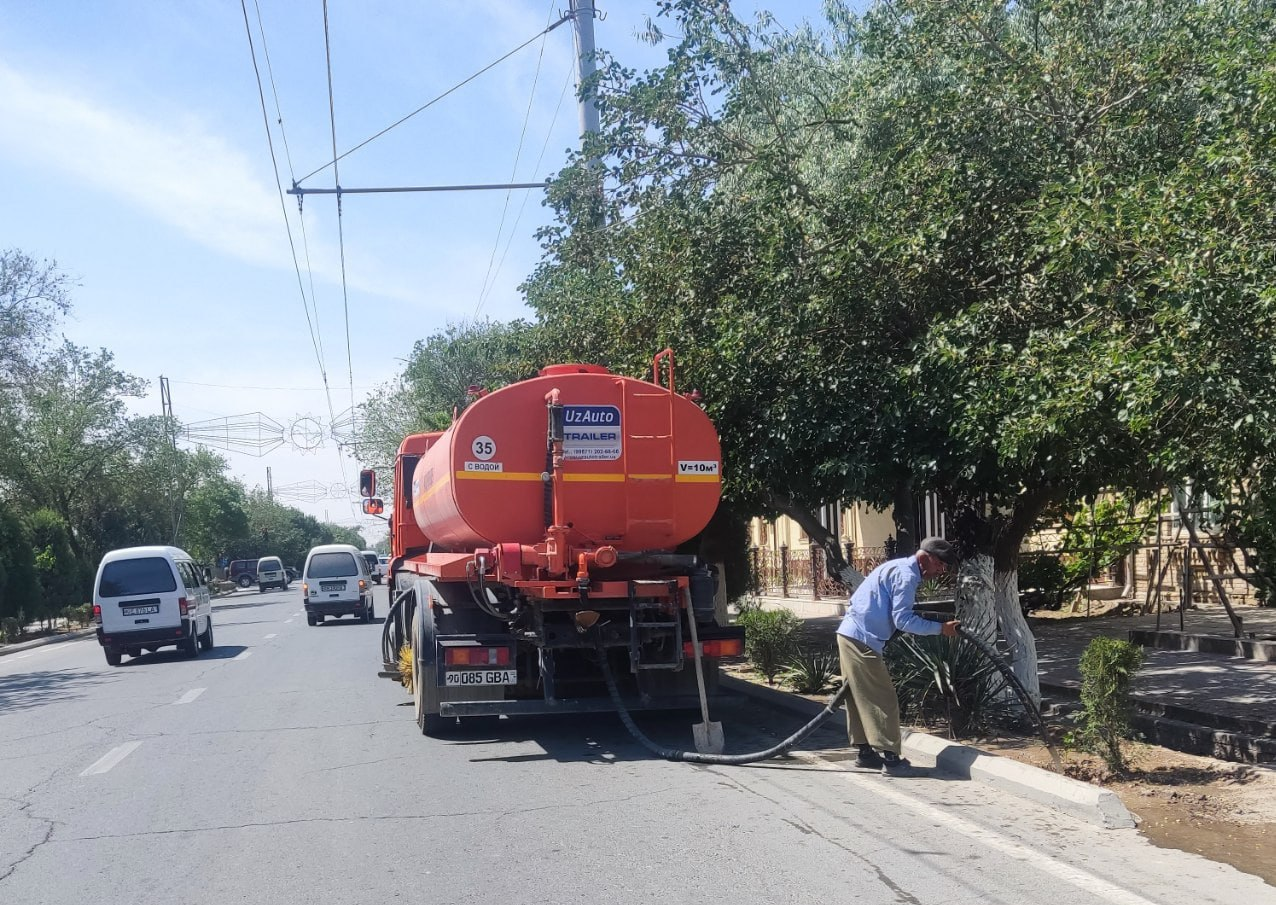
<point x="279" y="768"/>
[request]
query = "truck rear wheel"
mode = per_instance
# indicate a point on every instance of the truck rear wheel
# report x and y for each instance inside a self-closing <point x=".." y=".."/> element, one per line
<point x="425" y="691"/>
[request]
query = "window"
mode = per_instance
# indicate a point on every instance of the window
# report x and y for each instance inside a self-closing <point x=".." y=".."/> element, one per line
<point x="332" y="565"/>
<point x="130" y="577"/>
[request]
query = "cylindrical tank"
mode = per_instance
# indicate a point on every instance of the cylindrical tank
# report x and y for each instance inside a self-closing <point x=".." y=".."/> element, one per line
<point x="641" y="469"/>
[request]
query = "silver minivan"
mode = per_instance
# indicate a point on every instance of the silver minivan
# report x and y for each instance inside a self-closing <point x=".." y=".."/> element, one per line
<point x="271" y="574"/>
<point x="336" y="582"/>
<point x="145" y="598"/>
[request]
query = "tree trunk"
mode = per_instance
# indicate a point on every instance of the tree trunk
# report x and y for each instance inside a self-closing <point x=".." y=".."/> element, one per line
<point x="976" y="609"/>
<point x="904" y="515"/>
<point x="1014" y="628"/>
<point x="835" y="560"/>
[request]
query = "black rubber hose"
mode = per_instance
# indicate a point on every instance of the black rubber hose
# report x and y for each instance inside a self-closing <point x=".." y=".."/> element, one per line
<point x="695" y="757"/>
<point x="1029" y="705"/>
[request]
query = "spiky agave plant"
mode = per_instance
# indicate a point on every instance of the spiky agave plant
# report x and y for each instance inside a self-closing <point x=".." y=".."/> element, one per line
<point x="950" y="678"/>
<point x="812" y="670"/>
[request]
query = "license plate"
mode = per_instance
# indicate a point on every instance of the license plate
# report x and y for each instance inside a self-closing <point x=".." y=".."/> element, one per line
<point x="481" y="677"/>
<point x="139" y="610"/>
<point x="332" y="585"/>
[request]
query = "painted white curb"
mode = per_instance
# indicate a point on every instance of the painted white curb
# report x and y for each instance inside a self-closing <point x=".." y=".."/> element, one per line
<point x="1078" y="799"/>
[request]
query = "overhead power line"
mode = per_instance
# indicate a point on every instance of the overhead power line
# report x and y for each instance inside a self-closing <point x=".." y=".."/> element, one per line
<point x="283" y="204"/>
<point x="336" y="157"/>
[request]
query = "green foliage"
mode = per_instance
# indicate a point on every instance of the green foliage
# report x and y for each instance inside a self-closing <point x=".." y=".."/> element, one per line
<point x="10" y="629"/>
<point x="1096" y="543"/>
<point x="1108" y="667"/>
<point x="32" y="296"/>
<point x="949" y="679"/>
<point x="58" y="571"/>
<point x="80" y="615"/>
<point x="770" y="639"/>
<point x="19" y="591"/>
<point x="810" y="671"/>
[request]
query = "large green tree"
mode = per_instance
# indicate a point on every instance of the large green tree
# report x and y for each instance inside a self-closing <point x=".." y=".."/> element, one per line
<point x="939" y="247"/>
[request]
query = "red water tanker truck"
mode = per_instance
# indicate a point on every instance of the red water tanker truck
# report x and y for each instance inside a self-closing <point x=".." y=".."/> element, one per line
<point x="537" y="535"/>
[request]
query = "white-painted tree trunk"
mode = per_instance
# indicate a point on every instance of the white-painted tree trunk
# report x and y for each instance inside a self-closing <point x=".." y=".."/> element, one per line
<point x="988" y="604"/>
<point x="1014" y="628"/>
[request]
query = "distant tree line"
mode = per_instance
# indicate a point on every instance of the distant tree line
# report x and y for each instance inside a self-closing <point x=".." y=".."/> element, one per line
<point x="80" y="475"/>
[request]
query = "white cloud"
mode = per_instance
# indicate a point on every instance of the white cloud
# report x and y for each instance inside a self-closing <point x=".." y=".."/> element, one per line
<point x="178" y="171"/>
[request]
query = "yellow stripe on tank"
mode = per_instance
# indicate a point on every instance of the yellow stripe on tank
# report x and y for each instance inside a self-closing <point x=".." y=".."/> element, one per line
<point x="421" y="498"/>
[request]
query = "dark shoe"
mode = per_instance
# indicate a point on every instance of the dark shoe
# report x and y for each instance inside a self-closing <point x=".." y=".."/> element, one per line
<point x="899" y="766"/>
<point x="869" y="760"/>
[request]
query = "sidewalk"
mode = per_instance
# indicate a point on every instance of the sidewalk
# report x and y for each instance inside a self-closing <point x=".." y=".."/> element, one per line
<point x="1214" y="704"/>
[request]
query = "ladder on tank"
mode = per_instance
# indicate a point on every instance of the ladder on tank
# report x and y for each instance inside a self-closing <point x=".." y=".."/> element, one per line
<point x="648" y="459"/>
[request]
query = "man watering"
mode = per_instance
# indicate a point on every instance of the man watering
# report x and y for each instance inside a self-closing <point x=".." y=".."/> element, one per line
<point x="880" y="606"/>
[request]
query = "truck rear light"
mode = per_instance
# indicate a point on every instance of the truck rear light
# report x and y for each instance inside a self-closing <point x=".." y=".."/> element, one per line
<point x="97" y="614"/>
<point x="717" y="647"/>
<point x="182" y="606"/>
<point x="476" y="656"/>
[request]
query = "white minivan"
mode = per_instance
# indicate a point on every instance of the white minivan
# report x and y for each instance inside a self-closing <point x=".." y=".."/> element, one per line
<point x="145" y="598"/>
<point x="336" y="582"/>
<point x="271" y="574"/>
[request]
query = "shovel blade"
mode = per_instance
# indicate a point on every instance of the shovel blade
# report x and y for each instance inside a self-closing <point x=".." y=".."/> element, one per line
<point x="708" y="738"/>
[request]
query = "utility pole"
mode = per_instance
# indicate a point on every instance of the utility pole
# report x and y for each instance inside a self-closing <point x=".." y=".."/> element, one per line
<point x="583" y="14"/>
<point x="270" y="487"/>
<point x="170" y="426"/>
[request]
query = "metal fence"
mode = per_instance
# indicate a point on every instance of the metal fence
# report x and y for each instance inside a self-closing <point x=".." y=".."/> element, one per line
<point x="801" y="571"/>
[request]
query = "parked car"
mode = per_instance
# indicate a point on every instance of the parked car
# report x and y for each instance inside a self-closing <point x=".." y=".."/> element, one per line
<point x="243" y="572"/>
<point x="374" y="565"/>
<point x="145" y="598"/>
<point x="293" y="574"/>
<point x="336" y="582"/>
<point x="271" y="574"/>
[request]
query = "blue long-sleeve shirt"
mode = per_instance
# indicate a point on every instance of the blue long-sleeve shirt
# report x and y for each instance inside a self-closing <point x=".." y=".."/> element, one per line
<point x="884" y="603"/>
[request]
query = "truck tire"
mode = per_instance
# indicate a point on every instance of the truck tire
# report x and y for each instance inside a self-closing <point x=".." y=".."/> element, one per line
<point x="425" y="691"/>
<point x="113" y="656"/>
<point x="206" y="639"/>
<point x="244" y="581"/>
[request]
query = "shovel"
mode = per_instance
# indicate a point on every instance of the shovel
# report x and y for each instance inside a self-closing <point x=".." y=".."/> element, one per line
<point x="708" y="734"/>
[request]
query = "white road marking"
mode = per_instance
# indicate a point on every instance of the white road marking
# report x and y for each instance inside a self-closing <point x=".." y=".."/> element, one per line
<point x="21" y="656"/>
<point x="190" y="695"/>
<point x="286" y="621"/>
<point x="295" y="615"/>
<point x="111" y="758"/>
<point x="242" y="655"/>
<point x="1103" y="889"/>
<point x="272" y="635"/>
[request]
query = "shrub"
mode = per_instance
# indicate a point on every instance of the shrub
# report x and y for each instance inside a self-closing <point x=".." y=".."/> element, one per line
<point x="811" y="671"/>
<point x="10" y="629"/>
<point x="78" y="615"/>
<point x="1107" y="667"/>
<point x="951" y="679"/>
<point x="770" y="639"/>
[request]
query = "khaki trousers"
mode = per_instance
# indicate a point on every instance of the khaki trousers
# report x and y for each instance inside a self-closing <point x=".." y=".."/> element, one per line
<point x="872" y="709"/>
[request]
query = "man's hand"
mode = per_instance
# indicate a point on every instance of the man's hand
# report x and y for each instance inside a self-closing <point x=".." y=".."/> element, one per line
<point x="949" y="629"/>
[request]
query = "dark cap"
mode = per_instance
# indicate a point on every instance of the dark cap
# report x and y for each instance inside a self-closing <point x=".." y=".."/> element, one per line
<point x="940" y="549"/>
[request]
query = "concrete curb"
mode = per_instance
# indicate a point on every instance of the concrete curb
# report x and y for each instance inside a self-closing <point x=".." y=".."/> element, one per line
<point x="1077" y="799"/>
<point x="40" y="642"/>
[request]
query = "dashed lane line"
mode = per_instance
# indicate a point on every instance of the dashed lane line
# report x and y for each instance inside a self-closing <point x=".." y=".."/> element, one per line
<point x="111" y="758"/>
<point x="190" y="696"/>
<point x="242" y="655"/>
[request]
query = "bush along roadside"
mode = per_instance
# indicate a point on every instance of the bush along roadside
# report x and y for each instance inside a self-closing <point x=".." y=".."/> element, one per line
<point x="770" y="638"/>
<point x="1108" y="667"/>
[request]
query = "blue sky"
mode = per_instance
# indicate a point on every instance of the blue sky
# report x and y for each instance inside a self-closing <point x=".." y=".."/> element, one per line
<point x="134" y="153"/>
